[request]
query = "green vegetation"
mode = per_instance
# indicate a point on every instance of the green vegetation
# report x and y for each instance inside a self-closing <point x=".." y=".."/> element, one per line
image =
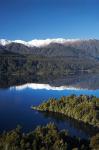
<point x="83" y="108"/>
<point x="19" y="64"/>
<point x="45" y="138"/>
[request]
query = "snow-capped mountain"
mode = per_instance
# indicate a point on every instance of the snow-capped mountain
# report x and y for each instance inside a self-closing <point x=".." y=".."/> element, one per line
<point x="4" y="42"/>
<point x="53" y="47"/>
<point x="38" y="43"/>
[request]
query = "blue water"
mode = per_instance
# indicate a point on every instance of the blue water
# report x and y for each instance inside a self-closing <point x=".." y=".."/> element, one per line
<point x="15" y="109"/>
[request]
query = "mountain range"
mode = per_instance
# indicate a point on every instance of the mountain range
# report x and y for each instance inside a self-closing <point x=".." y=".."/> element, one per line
<point x="53" y="47"/>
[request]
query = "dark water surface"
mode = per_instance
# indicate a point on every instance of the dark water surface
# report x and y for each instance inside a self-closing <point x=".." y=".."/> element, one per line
<point x="15" y="103"/>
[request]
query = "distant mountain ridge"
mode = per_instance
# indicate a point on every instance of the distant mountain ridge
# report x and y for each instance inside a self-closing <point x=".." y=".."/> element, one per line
<point x="36" y="42"/>
<point x="53" y="47"/>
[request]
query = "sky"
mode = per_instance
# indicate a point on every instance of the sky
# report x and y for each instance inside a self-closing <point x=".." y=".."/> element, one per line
<point x="41" y="19"/>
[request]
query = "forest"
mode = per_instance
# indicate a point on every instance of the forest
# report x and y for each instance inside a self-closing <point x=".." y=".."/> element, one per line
<point x="83" y="108"/>
<point x="15" y="64"/>
<point x="45" y="138"/>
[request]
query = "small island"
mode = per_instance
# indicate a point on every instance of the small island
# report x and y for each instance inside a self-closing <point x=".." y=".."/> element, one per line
<point x="83" y="108"/>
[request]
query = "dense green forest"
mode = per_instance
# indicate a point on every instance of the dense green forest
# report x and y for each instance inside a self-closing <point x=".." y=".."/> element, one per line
<point x="15" y="64"/>
<point x="11" y="64"/>
<point x="45" y="138"/>
<point x="83" y="108"/>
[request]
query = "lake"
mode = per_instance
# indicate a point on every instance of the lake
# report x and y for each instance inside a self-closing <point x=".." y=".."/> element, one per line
<point x="16" y="100"/>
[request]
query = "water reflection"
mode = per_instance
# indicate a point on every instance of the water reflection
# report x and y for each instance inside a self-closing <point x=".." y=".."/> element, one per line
<point x="82" y="129"/>
<point x="84" y="81"/>
<point x="64" y="90"/>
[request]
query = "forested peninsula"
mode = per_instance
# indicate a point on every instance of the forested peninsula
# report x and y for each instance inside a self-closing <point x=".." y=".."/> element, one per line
<point x="83" y="108"/>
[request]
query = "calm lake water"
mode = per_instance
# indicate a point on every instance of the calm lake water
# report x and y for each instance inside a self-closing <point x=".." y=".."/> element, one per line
<point x="15" y="103"/>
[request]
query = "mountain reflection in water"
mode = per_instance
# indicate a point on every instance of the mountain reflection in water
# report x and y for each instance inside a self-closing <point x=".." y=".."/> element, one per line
<point x="79" y="81"/>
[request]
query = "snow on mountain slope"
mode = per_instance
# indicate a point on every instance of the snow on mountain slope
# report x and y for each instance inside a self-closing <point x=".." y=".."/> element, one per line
<point x="38" y="43"/>
<point x="4" y="42"/>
